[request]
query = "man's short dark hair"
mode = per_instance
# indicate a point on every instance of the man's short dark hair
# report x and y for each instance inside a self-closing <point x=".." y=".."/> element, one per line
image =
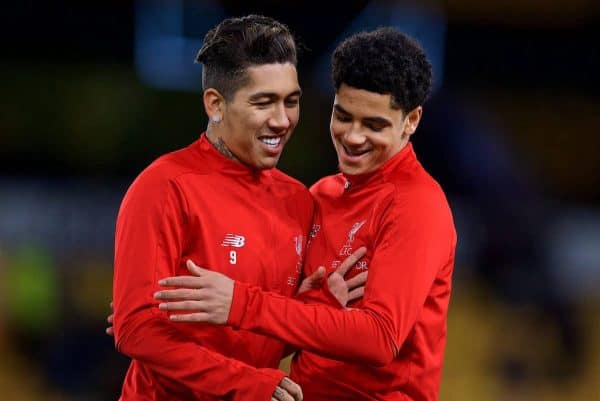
<point x="238" y="43"/>
<point x="384" y="61"/>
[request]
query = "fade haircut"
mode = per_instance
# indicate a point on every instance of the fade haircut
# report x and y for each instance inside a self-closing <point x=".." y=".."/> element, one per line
<point x="384" y="61"/>
<point x="238" y="43"/>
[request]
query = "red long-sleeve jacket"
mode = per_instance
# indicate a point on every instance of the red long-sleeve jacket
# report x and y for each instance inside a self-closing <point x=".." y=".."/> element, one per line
<point x="251" y="225"/>
<point x="390" y="345"/>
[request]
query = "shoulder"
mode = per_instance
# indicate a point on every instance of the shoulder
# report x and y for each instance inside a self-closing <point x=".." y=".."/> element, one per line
<point x="421" y="205"/>
<point x="330" y="185"/>
<point x="293" y="194"/>
<point x="288" y="184"/>
<point x="283" y="179"/>
<point x="415" y="185"/>
<point x="171" y="166"/>
<point x="158" y="180"/>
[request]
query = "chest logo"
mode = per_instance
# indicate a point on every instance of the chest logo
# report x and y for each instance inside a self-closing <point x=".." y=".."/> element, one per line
<point x="347" y="248"/>
<point x="292" y="281"/>
<point x="234" y="240"/>
<point x="354" y="230"/>
<point x="298" y="241"/>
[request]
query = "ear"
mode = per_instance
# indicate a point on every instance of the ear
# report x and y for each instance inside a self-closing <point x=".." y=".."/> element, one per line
<point x="412" y="119"/>
<point x="213" y="103"/>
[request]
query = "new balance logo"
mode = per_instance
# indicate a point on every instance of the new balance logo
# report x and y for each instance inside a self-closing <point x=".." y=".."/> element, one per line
<point x="236" y="241"/>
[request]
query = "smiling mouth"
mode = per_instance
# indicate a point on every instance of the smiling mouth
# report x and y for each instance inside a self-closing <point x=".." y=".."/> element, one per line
<point x="356" y="152"/>
<point x="271" y="141"/>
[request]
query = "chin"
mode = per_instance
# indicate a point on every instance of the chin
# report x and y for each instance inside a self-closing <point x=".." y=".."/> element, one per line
<point x="267" y="164"/>
<point x="356" y="170"/>
<point x="350" y="170"/>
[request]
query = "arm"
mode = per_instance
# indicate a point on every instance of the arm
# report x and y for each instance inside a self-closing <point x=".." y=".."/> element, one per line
<point x="406" y="259"/>
<point x="149" y="244"/>
<point x="412" y="246"/>
<point x="286" y="390"/>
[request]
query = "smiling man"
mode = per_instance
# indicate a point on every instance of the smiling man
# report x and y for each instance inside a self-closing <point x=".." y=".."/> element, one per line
<point x="390" y="344"/>
<point x="266" y="106"/>
<point x="221" y="202"/>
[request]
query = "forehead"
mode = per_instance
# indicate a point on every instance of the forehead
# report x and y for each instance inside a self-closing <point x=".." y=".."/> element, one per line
<point x="362" y="103"/>
<point x="276" y="78"/>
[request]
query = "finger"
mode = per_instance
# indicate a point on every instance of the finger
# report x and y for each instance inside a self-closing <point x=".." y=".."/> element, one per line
<point x="111" y="305"/>
<point x="183" y="305"/>
<point x="195" y="269"/>
<point x="351" y="261"/>
<point x="180" y="294"/>
<point x="110" y="332"/>
<point x="358" y="280"/>
<point x="356" y="293"/>
<point x="317" y="275"/>
<point x="282" y="395"/>
<point x="312" y="281"/>
<point x="198" y="317"/>
<point x="181" y="281"/>
<point x="292" y="388"/>
<point x="110" y="318"/>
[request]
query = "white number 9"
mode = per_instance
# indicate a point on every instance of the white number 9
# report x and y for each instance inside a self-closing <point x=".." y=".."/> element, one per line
<point x="232" y="257"/>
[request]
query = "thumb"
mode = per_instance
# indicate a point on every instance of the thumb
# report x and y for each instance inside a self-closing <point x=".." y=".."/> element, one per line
<point x="195" y="269"/>
<point x="312" y="281"/>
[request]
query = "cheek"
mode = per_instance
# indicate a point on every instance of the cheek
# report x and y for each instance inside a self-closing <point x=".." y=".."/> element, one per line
<point x="385" y="149"/>
<point x="236" y="119"/>
<point x="294" y="115"/>
<point x="253" y="121"/>
<point x="336" y="129"/>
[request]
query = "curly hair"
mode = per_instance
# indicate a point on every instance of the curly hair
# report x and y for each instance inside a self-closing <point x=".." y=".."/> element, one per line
<point x="238" y="43"/>
<point x="384" y="61"/>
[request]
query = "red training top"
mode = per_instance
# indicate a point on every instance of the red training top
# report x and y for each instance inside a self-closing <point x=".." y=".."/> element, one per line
<point x="390" y="345"/>
<point x="250" y="225"/>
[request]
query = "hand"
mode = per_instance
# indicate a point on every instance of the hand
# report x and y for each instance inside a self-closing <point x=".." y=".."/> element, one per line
<point x="109" y="319"/>
<point x="344" y="290"/>
<point x="207" y="296"/>
<point x="287" y="390"/>
<point x="312" y="281"/>
<point x="353" y="288"/>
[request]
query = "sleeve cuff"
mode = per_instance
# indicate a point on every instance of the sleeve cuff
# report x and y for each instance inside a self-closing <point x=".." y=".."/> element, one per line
<point x="268" y="382"/>
<point x="238" y="304"/>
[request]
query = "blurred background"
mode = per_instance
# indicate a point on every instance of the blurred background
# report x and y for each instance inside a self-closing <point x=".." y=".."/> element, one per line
<point x="93" y="91"/>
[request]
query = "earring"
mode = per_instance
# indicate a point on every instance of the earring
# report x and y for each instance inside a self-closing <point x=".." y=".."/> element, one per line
<point x="216" y="119"/>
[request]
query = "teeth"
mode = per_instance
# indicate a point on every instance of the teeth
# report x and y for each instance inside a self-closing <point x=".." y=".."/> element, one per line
<point x="271" y="141"/>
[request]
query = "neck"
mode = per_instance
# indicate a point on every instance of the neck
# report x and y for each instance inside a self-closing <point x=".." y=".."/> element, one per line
<point x="219" y="144"/>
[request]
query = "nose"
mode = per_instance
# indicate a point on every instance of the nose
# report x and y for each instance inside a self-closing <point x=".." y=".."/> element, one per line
<point x="354" y="137"/>
<point x="279" y="121"/>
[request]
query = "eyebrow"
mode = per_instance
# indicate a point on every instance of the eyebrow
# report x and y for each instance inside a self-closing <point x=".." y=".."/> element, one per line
<point x="339" y="108"/>
<point x="272" y="95"/>
<point x="376" y="120"/>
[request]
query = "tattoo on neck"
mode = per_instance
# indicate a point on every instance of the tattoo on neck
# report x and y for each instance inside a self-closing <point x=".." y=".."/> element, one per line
<point x="220" y="145"/>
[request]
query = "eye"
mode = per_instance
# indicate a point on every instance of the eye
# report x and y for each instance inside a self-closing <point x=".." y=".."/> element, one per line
<point x="375" y="128"/>
<point x="293" y="102"/>
<point x="342" y="118"/>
